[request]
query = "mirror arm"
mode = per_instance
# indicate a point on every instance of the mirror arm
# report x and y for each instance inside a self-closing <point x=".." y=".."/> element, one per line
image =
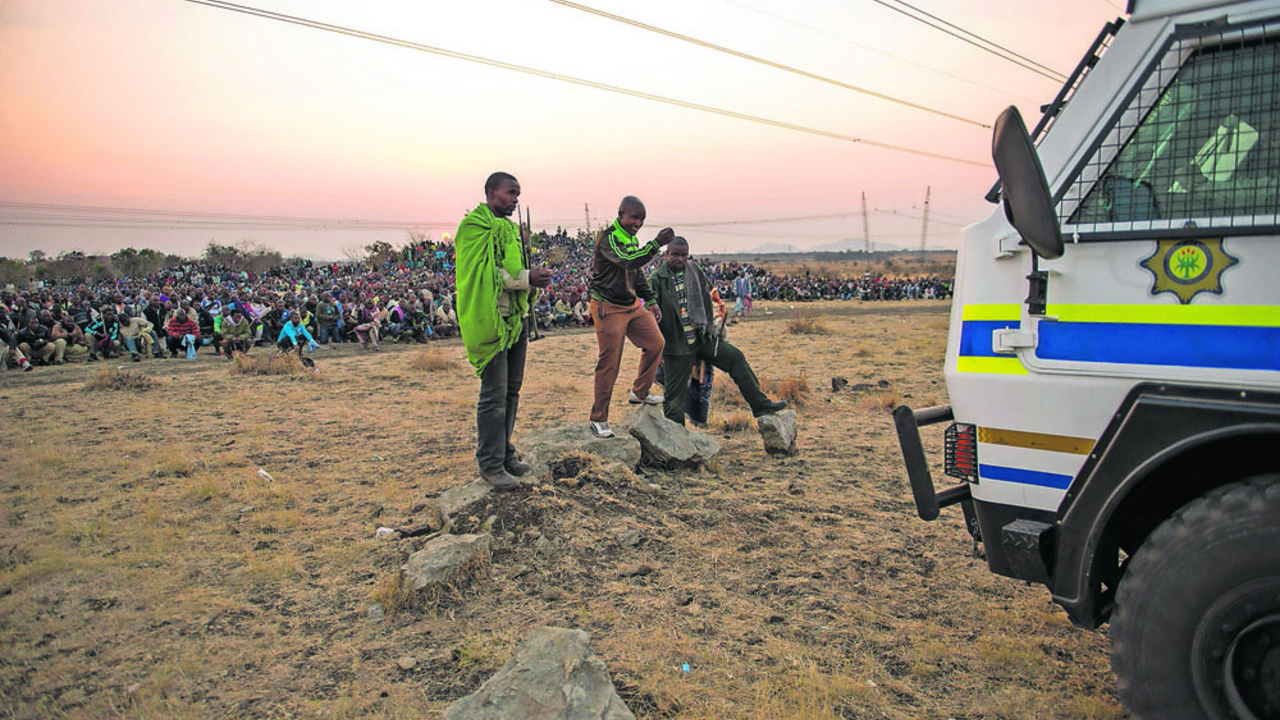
<point x="1037" y="288"/>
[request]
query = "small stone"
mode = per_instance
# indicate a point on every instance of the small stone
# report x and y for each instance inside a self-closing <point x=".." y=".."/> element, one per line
<point x="838" y="384"/>
<point x="408" y="662"/>
<point x="543" y="546"/>
<point x="551" y="593"/>
<point x="651" y="488"/>
<point x="778" y="431"/>
<point x="882" y="383"/>
<point x="775" y="619"/>
<point x="488" y="524"/>
<point x="636" y="570"/>
<point x="630" y="538"/>
<point x="683" y="597"/>
<point x="417" y="508"/>
<point x="518" y="571"/>
<point x="133" y="689"/>
<point x="246" y="509"/>
<point x="376" y="611"/>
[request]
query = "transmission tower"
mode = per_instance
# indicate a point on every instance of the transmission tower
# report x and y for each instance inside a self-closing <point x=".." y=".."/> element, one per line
<point x="924" y="226"/>
<point x="866" y="226"/>
<point x="587" y="208"/>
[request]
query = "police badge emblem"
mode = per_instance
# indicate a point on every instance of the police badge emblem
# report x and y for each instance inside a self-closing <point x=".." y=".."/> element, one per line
<point x="1187" y="268"/>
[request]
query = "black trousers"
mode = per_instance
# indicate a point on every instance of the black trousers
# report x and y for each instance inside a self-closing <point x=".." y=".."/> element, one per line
<point x="500" y="384"/>
<point x="729" y="359"/>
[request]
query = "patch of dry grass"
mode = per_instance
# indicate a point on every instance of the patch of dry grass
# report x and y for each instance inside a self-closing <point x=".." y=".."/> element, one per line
<point x="808" y="321"/>
<point x="268" y="363"/>
<point x="735" y="422"/>
<point x="794" y="389"/>
<point x="109" y="378"/>
<point x="431" y="361"/>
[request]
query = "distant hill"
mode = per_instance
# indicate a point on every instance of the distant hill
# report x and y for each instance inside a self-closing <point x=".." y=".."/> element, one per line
<point x="774" y="248"/>
<point x="846" y="245"/>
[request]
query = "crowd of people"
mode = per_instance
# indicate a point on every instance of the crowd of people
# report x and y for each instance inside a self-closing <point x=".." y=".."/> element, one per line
<point x="409" y="296"/>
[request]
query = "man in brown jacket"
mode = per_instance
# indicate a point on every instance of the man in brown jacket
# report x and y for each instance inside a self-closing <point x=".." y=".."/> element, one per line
<point x="618" y="296"/>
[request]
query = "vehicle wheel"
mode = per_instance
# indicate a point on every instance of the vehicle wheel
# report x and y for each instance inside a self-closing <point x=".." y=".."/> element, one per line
<point x="1196" y="628"/>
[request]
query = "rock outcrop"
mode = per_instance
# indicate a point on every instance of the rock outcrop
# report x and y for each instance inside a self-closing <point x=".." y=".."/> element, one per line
<point x="553" y="676"/>
<point x="446" y="560"/>
<point x="669" y="444"/>
<point x="547" y="448"/>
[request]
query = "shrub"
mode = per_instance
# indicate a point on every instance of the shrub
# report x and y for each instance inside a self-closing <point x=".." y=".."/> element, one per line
<point x="795" y="389"/>
<point x="268" y="364"/>
<point x="736" y="422"/>
<point x="111" y="379"/>
<point x="808" y="322"/>
<point x="431" y="361"/>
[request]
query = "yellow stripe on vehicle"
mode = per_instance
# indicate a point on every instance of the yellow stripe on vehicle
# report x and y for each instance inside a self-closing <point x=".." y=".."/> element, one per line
<point x="1005" y="311"/>
<point x="1239" y="315"/>
<point x="990" y="365"/>
<point x="1035" y="441"/>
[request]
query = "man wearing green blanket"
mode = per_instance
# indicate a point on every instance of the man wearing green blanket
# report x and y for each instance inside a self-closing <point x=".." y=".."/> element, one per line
<point x="494" y="295"/>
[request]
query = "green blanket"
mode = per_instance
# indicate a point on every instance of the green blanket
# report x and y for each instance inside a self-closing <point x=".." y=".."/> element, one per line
<point x="483" y="244"/>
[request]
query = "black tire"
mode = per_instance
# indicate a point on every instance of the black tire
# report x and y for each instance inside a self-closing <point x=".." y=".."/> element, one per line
<point x="1196" y="629"/>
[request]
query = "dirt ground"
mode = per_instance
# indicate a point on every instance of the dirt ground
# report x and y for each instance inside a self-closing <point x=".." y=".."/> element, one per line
<point x="148" y="569"/>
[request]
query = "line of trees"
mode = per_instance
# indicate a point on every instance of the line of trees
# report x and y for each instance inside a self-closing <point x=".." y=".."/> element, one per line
<point x="78" y="267"/>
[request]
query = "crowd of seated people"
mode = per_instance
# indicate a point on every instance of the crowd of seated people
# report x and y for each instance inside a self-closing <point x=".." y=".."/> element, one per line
<point x="197" y="308"/>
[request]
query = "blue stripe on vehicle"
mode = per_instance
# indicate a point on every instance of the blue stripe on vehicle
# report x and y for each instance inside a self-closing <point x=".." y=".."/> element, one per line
<point x="1026" y="477"/>
<point x="1214" y="346"/>
<point x="975" y="337"/>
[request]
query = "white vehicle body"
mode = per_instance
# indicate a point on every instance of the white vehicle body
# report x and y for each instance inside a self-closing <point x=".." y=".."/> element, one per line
<point x="1116" y="384"/>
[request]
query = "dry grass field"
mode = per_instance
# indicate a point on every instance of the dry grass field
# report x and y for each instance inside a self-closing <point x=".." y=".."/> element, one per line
<point x="149" y="570"/>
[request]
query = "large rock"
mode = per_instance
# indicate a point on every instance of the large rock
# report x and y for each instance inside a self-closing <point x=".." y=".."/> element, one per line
<point x="566" y="443"/>
<point x="778" y="430"/>
<point x="459" y="498"/>
<point x="445" y="560"/>
<point x="553" y="676"/>
<point x="669" y="444"/>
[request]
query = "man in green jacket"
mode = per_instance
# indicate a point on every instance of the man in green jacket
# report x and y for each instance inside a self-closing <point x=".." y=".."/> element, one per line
<point x="683" y="293"/>
<point x="493" y="298"/>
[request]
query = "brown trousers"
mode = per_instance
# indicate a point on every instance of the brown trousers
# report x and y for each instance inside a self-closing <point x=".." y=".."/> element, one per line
<point x="614" y="324"/>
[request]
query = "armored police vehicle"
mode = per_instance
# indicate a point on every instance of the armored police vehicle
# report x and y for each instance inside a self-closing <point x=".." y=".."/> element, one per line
<point x="1113" y="362"/>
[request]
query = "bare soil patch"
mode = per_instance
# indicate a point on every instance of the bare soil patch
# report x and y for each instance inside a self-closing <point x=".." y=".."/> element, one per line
<point x="147" y="568"/>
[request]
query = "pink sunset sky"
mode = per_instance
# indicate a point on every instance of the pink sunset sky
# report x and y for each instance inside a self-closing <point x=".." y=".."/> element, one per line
<point x="168" y="106"/>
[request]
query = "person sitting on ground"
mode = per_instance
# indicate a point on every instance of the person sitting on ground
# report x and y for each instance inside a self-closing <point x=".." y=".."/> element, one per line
<point x="77" y="348"/>
<point x="561" y="313"/>
<point x="688" y="324"/>
<point x="446" y="320"/>
<point x="182" y="332"/>
<point x="370" y="324"/>
<point x="419" y="323"/>
<point x="9" y="335"/>
<point x="327" y="317"/>
<point x="273" y="320"/>
<point x="136" y="334"/>
<point x="104" y="334"/>
<point x="38" y="346"/>
<point x="582" y="313"/>
<point x="292" y="334"/>
<point x="237" y="334"/>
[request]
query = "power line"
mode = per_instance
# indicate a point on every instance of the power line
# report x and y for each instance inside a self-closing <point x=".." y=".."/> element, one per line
<point x="977" y="40"/>
<point x="1004" y="92"/>
<point x="762" y="61"/>
<point x="350" y="32"/>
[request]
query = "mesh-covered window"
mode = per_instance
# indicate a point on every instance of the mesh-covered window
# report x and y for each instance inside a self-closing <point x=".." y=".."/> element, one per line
<point x="1198" y="147"/>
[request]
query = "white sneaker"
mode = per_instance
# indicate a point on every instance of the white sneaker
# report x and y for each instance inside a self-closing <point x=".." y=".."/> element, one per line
<point x="601" y="429"/>
<point x="634" y="399"/>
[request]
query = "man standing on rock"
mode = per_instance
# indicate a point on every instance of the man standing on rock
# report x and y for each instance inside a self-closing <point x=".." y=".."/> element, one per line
<point x="683" y="294"/>
<point x="618" y="288"/>
<point x="493" y="298"/>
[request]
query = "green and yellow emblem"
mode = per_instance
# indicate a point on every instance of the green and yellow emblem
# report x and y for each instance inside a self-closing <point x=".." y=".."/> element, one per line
<point x="1187" y="268"/>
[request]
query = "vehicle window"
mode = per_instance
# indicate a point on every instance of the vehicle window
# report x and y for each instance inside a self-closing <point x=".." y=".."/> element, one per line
<point x="1202" y="152"/>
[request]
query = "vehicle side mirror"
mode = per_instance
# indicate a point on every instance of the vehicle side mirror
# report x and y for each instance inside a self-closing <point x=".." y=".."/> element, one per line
<point x="1025" y="192"/>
